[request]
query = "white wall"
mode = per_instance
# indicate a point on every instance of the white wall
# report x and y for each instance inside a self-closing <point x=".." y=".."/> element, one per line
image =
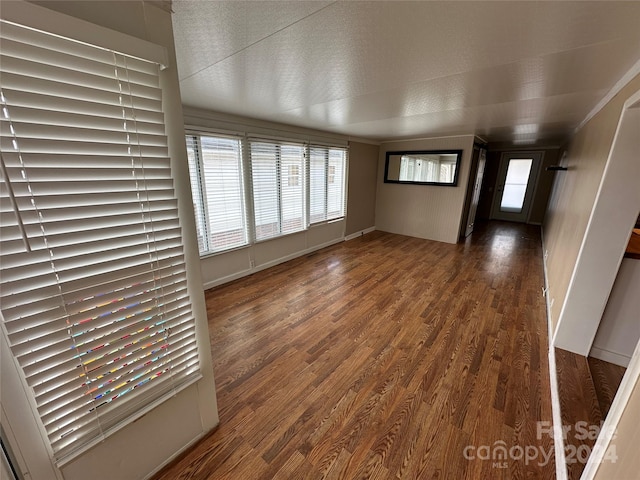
<point x="424" y="211"/>
<point x="619" y="329"/>
<point x="140" y="448"/>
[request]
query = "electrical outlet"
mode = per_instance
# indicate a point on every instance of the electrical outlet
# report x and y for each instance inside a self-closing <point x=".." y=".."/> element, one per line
<point x="546" y="253"/>
<point x="551" y="302"/>
<point x="252" y="263"/>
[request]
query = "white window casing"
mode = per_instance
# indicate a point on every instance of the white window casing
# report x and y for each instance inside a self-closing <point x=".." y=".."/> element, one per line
<point x="216" y="174"/>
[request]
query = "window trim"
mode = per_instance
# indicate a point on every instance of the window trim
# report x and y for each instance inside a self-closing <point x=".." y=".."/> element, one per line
<point x="203" y="189"/>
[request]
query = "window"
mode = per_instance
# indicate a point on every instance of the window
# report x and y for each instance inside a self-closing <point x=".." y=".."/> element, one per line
<point x="94" y="299"/>
<point x="294" y="176"/>
<point x="279" y="207"/>
<point x="326" y="183"/>
<point x="215" y="167"/>
<point x="277" y="183"/>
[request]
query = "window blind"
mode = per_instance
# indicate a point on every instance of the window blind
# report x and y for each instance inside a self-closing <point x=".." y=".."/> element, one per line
<point x="278" y="188"/>
<point x="326" y="183"/>
<point x="215" y="164"/>
<point x="94" y="295"/>
<point x="197" y="192"/>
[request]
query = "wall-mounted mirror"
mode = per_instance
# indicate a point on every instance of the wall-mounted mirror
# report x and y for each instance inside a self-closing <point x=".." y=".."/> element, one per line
<point x="425" y="167"/>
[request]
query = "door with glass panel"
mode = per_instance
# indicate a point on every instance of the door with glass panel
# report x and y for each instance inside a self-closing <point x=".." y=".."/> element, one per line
<point x="515" y="186"/>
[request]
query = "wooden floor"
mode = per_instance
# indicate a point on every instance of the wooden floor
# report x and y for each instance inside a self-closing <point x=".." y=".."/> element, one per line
<point x="607" y="378"/>
<point x="382" y="357"/>
<point x="586" y="387"/>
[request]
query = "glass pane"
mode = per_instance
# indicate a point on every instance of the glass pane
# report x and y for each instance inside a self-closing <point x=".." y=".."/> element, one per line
<point x="265" y="189"/>
<point x="335" y="183"/>
<point x="317" y="185"/>
<point x="292" y="191"/>
<point x="515" y="185"/>
<point x="222" y="169"/>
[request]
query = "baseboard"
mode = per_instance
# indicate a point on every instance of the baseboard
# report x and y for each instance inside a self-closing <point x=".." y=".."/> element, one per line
<point x="272" y="263"/>
<point x="359" y="234"/>
<point x="558" y="440"/>
<point x="189" y="444"/>
<point x="228" y="278"/>
<point x="609" y="356"/>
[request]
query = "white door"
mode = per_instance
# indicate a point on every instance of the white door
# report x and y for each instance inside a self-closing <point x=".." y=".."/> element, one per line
<point x="516" y="184"/>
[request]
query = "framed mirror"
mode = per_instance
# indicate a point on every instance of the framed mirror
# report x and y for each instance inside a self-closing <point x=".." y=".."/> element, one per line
<point x="423" y="167"/>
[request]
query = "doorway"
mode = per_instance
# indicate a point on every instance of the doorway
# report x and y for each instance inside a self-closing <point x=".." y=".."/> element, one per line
<point x="515" y="185"/>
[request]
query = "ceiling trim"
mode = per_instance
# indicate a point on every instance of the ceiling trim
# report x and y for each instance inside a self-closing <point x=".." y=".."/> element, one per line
<point x="197" y="117"/>
<point x="399" y="140"/>
<point x="620" y="84"/>
<point x="364" y="140"/>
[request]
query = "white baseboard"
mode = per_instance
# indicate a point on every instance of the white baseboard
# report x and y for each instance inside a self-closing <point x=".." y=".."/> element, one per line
<point x="359" y="234"/>
<point x="611" y="357"/>
<point x="273" y="263"/>
<point x="189" y="444"/>
<point x="558" y="440"/>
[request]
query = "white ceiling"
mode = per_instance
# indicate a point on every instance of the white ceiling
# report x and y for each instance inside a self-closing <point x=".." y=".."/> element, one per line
<point x="507" y="71"/>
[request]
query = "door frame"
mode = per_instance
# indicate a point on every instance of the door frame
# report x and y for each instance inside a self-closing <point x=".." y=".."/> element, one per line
<point x="532" y="185"/>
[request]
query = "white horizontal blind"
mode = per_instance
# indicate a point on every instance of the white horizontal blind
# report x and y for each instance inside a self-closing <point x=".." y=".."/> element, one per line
<point x="277" y="171"/>
<point x="218" y="191"/>
<point x="326" y="183"/>
<point x="94" y="295"/>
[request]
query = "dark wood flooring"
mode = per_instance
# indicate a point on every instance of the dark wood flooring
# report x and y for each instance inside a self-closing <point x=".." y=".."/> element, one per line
<point x="586" y="387"/>
<point x="607" y="378"/>
<point x="382" y="357"/>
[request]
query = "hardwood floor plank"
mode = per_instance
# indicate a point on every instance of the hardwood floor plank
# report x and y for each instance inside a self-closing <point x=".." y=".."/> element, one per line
<point x="382" y="357"/>
<point x="606" y="380"/>
<point x="578" y="403"/>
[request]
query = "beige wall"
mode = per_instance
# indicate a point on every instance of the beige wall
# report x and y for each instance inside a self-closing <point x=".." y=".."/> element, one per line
<point x="192" y="412"/>
<point x="625" y="445"/>
<point x="424" y="211"/>
<point x="573" y="196"/>
<point x="361" y="200"/>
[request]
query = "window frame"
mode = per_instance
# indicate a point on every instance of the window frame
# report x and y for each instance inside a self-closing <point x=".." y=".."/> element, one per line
<point x="330" y="175"/>
<point x="196" y="136"/>
<point x="280" y="172"/>
<point x="286" y="177"/>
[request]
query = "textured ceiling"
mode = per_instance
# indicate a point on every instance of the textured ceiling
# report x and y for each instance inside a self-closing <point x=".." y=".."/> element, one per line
<point x="520" y="72"/>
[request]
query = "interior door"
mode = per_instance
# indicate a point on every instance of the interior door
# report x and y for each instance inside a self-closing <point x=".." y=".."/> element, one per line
<point x="517" y="177"/>
<point x="473" y="207"/>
